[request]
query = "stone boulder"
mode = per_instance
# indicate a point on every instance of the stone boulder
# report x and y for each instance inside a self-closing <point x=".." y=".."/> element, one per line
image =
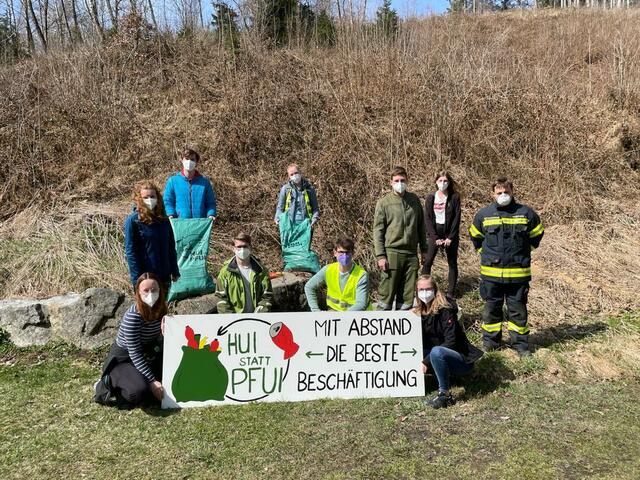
<point x="90" y="319"/>
<point x="26" y="322"/>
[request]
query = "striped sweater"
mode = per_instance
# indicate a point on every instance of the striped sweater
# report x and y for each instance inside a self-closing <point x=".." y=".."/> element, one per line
<point x="133" y="333"/>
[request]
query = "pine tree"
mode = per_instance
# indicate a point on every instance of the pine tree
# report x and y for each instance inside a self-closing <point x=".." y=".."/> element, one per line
<point x="387" y="20"/>
<point x="224" y="23"/>
<point x="325" y="30"/>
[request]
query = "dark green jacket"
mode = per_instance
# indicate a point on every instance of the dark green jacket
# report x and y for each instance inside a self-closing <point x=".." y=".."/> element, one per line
<point x="398" y="225"/>
<point x="230" y="296"/>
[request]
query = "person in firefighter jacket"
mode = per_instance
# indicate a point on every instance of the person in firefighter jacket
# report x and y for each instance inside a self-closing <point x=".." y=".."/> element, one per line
<point x="505" y="233"/>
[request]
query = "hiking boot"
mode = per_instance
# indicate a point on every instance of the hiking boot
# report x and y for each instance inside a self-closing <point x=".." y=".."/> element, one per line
<point x="102" y="390"/>
<point x="524" y="352"/>
<point x="490" y="347"/>
<point x="442" y="400"/>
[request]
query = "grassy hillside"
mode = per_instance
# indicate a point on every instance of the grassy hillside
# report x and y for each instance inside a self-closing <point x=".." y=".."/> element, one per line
<point x="552" y="100"/>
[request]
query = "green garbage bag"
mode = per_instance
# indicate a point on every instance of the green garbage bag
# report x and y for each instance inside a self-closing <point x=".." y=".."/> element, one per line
<point x="200" y="376"/>
<point x="295" y="239"/>
<point x="192" y="247"/>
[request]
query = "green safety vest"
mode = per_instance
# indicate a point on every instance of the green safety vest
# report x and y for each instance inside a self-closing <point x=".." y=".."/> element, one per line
<point x="341" y="300"/>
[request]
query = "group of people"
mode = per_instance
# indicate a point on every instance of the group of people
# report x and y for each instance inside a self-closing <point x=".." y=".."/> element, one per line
<point x="504" y="233"/>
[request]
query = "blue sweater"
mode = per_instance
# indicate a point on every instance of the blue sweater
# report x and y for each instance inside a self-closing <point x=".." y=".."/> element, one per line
<point x="184" y="198"/>
<point x="149" y="248"/>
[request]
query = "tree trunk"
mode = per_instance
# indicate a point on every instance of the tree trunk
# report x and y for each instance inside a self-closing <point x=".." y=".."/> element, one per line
<point x="92" y="8"/>
<point x="36" y="24"/>
<point x="77" y="35"/>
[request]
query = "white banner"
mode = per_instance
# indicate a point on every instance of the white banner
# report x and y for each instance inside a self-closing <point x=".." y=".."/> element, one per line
<point x="273" y="357"/>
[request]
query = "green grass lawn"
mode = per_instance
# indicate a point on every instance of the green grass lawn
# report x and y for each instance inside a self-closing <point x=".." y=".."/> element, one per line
<point x="513" y="419"/>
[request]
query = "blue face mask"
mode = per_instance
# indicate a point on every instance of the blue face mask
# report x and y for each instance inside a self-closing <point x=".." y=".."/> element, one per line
<point x="344" y="259"/>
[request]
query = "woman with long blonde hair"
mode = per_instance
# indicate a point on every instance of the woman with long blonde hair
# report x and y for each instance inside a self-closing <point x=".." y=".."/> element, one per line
<point x="446" y="347"/>
<point x="148" y="237"/>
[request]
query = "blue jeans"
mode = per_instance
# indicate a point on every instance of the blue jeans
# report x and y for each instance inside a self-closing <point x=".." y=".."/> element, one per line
<point x="445" y="362"/>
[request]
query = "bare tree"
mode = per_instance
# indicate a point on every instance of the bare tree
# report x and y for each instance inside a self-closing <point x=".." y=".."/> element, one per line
<point x="36" y="23"/>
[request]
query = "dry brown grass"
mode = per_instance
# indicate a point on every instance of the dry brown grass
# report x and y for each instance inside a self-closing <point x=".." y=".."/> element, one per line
<point x="552" y="100"/>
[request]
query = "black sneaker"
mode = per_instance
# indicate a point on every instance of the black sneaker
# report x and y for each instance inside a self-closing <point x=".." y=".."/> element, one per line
<point x="102" y="391"/>
<point x="442" y="400"/>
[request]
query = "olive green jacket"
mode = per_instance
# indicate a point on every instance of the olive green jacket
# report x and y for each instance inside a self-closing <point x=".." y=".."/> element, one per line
<point x="230" y="295"/>
<point x="398" y="225"/>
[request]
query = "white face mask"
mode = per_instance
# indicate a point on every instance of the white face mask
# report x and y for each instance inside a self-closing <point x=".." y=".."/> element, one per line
<point x="150" y="202"/>
<point x="150" y="298"/>
<point x="243" y="253"/>
<point x="442" y="186"/>
<point x="426" y="295"/>
<point x="296" y="178"/>
<point x="503" y="199"/>
<point x="188" y="165"/>
<point x="400" y="187"/>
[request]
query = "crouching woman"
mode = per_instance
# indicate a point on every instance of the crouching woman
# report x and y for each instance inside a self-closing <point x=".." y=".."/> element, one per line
<point x="133" y="368"/>
<point x="447" y="350"/>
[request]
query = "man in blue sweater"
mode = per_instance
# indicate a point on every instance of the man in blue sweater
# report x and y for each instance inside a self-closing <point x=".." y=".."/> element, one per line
<point x="189" y="194"/>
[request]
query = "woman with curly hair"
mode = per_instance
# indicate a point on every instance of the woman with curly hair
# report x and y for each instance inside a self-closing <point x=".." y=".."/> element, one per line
<point x="148" y="237"/>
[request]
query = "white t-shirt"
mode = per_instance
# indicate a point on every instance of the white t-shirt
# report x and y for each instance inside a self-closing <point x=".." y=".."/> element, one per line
<point x="248" y="301"/>
<point x="439" y="205"/>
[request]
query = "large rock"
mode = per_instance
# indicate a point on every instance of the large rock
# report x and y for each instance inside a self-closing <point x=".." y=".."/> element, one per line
<point x="87" y="320"/>
<point x="288" y="292"/>
<point x="91" y="319"/>
<point x="201" y="305"/>
<point x="26" y="321"/>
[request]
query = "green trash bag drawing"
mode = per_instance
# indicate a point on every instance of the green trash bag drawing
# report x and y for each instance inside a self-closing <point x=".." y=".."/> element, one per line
<point x="192" y="247"/>
<point x="295" y="239"/>
<point x="201" y="376"/>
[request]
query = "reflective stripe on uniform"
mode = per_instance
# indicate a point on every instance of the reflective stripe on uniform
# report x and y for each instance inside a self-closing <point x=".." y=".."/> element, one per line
<point x="479" y="250"/>
<point x="536" y="231"/>
<point x="504" y="221"/>
<point x="521" y="330"/>
<point x="475" y="233"/>
<point x="335" y="301"/>
<point x="499" y="272"/>
<point x="491" y="327"/>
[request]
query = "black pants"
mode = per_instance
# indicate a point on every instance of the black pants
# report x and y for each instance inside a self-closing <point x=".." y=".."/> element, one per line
<point x="128" y="385"/>
<point x="495" y="295"/>
<point x="452" y="259"/>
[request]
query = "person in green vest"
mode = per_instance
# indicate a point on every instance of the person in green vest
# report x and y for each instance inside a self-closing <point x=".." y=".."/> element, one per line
<point x="347" y="282"/>
<point x="398" y="231"/>
<point x="297" y="198"/>
<point x="243" y="284"/>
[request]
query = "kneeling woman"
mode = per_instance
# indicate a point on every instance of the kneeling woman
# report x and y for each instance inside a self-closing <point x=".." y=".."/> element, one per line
<point x="446" y="347"/>
<point x="133" y="367"/>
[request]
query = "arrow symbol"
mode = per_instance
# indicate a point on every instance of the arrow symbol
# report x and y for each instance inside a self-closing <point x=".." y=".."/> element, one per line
<point x="310" y="354"/>
<point x="412" y="352"/>
<point x="224" y="328"/>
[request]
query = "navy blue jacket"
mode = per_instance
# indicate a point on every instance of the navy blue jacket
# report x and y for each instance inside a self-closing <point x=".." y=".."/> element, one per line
<point x="149" y="248"/>
<point x="505" y="237"/>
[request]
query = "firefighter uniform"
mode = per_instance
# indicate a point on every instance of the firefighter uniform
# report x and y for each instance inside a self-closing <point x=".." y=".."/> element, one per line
<point x="505" y="237"/>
